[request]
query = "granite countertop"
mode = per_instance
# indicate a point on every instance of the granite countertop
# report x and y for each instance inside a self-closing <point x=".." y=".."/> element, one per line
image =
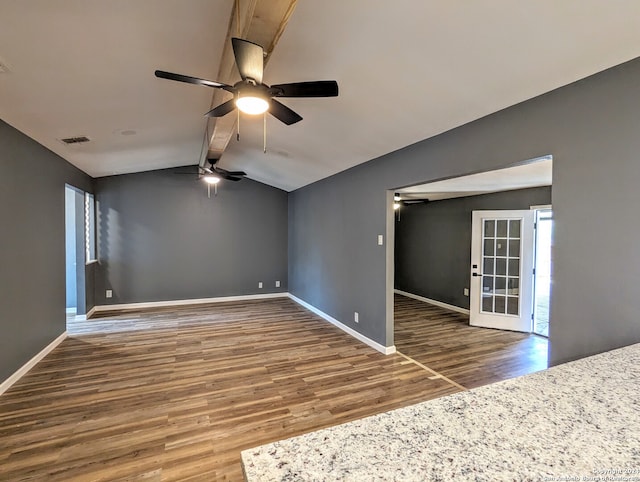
<point x="571" y="422"/>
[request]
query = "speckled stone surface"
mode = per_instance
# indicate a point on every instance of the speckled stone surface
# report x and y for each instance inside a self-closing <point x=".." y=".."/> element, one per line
<point x="570" y="422"/>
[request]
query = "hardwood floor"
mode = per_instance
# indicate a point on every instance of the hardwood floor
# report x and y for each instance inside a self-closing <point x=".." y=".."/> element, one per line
<point x="443" y="341"/>
<point x="181" y="397"/>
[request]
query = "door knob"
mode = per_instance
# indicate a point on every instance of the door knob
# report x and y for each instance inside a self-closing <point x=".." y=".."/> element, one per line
<point x="475" y="274"/>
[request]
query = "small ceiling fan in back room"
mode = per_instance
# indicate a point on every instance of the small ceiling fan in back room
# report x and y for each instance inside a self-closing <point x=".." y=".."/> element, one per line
<point x="212" y="174"/>
<point x="223" y="173"/>
<point x="251" y="95"/>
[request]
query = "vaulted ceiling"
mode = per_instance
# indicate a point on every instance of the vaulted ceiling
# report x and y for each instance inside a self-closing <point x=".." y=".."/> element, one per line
<point x="407" y="70"/>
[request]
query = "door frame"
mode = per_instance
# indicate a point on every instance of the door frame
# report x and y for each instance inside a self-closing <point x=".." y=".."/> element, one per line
<point x="78" y="232"/>
<point x="537" y="209"/>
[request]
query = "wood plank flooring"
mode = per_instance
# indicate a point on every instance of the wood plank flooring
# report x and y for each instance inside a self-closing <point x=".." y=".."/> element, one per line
<point x="443" y="341"/>
<point x="176" y="394"/>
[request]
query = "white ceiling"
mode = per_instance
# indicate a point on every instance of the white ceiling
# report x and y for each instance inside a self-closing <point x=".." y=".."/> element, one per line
<point x="407" y="70"/>
<point x="531" y="174"/>
<point x="86" y="67"/>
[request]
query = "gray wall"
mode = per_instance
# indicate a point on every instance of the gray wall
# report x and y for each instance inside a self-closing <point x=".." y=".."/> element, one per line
<point x="32" y="246"/>
<point x="433" y="242"/>
<point x="160" y="238"/>
<point x="591" y="129"/>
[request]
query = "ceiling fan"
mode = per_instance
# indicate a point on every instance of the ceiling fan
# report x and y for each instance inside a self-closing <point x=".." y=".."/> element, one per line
<point x="251" y="95"/>
<point x="212" y="175"/>
<point x="214" y="170"/>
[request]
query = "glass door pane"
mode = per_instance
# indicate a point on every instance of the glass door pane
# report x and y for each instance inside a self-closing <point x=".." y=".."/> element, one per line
<point x="501" y="266"/>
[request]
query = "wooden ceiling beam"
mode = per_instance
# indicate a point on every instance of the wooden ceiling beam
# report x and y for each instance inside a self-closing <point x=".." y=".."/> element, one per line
<point x="261" y="22"/>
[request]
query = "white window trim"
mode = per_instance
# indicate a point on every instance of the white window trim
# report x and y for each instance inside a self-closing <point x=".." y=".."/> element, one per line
<point x="87" y="247"/>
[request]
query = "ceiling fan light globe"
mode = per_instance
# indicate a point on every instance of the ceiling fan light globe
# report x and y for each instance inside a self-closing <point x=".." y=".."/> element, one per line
<point x="252" y="105"/>
<point x="211" y="179"/>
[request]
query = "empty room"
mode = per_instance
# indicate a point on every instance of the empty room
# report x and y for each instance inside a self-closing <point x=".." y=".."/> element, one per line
<point x="278" y="240"/>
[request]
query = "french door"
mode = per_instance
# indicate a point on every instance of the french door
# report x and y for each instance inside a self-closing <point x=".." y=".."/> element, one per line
<point x="502" y="256"/>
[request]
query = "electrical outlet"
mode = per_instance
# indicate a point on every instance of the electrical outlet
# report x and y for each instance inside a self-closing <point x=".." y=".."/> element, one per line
<point x="109" y="294"/>
<point x="380" y="239"/>
<point x="277" y="284"/>
<point x="466" y="291"/>
<point x="259" y="284"/>
<point x="356" y="317"/>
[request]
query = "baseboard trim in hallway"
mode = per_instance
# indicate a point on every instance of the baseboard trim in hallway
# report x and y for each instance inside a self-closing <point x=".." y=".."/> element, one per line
<point x="435" y="373"/>
<point x="441" y="304"/>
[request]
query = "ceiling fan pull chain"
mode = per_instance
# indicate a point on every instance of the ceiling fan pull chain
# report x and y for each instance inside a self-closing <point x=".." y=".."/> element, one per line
<point x="238" y="131"/>
<point x="264" y="134"/>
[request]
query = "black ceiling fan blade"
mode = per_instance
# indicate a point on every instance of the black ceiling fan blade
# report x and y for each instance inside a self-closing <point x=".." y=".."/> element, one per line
<point x="229" y="178"/>
<point x="318" y="88"/>
<point x="249" y="59"/>
<point x="229" y="173"/>
<point x="222" y="109"/>
<point x="193" y="80"/>
<point x="283" y="113"/>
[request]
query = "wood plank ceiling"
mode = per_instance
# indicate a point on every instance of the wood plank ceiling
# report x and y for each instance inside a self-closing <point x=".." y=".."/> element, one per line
<point x="261" y="22"/>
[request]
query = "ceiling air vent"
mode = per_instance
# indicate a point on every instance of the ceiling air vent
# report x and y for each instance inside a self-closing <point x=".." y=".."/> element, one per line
<point x="75" y="140"/>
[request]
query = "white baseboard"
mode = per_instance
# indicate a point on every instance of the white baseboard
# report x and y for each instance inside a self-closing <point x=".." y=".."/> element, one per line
<point x="197" y="301"/>
<point x="88" y="316"/>
<point x="387" y="350"/>
<point x="447" y="306"/>
<point x="4" y="386"/>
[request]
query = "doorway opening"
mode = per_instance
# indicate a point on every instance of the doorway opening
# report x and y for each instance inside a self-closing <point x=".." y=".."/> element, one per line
<point x="79" y="249"/>
<point x="73" y="249"/>
<point x="542" y="270"/>
<point x="434" y="274"/>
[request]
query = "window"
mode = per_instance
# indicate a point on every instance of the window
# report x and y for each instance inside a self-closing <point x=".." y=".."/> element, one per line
<point x="90" y="227"/>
